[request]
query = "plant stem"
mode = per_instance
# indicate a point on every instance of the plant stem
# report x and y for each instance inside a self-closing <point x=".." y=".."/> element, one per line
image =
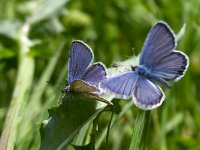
<point x="21" y="91"/>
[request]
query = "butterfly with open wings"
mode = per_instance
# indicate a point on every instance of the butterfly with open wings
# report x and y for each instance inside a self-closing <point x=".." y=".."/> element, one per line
<point x="159" y="63"/>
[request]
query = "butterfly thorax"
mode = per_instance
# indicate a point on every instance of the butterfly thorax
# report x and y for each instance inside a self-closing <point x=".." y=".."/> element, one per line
<point x="144" y="72"/>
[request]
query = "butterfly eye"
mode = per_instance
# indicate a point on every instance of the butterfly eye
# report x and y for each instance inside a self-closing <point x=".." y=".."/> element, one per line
<point x="65" y="90"/>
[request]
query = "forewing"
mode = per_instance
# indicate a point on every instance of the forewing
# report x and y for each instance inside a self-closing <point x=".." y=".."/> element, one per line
<point x="147" y="95"/>
<point x="158" y="44"/>
<point x="80" y="57"/>
<point x="172" y="66"/>
<point x="95" y="74"/>
<point x="121" y="85"/>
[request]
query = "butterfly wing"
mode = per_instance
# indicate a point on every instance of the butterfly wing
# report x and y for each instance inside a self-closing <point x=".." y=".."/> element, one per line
<point x="95" y="74"/>
<point x="87" y="90"/>
<point x="147" y="95"/>
<point x="121" y="85"/>
<point x="158" y="44"/>
<point x="172" y="67"/>
<point x="96" y="97"/>
<point x="80" y="86"/>
<point x="80" y="58"/>
<point x="159" y="56"/>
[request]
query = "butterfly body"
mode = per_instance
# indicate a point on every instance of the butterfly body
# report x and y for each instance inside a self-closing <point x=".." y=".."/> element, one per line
<point x="144" y="72"/>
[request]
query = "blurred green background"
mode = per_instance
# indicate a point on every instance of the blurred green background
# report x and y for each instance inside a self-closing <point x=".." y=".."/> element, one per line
<point x="34" y="44"/>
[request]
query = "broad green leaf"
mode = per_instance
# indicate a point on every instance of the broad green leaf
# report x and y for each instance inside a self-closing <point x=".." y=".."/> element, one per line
<point x="65" y="121"/>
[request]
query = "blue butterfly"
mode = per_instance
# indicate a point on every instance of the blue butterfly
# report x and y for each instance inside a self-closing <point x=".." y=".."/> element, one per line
<point x="159" y="63"/>
<point x="84" y="78"/>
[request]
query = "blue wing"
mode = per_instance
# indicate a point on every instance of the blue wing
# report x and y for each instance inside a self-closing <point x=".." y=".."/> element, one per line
<point x="95" y="74"/>
<point x="80" y="58"/>
<point x="159" y="43"/>
<point x="147" y="95"/>
<point x="172" y="67"/>
<point x="121" y="85"/>
<point x="158" y="54"/>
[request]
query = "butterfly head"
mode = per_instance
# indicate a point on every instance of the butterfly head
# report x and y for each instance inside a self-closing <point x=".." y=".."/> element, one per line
<point x="65" y="90"/>
<point x="133" y="68"/>
<point x="141" y="71"/>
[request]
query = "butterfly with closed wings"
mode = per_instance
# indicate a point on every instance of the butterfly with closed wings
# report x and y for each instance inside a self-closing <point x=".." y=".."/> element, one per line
<point x="84" y="78"/>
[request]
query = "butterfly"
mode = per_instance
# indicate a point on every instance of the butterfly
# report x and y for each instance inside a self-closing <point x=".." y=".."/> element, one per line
<point x="159" y="63"/>
<point x="84" y="78"/>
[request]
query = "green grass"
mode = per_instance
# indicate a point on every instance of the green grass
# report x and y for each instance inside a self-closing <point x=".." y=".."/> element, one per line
<point x="112" y="28"/>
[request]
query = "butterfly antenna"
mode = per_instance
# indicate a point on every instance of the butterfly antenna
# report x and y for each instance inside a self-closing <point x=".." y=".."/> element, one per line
<point x="61" y="84"/>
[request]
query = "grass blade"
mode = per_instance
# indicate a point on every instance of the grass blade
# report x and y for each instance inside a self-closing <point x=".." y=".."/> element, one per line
<point x="21" y="91"/>
<point x="140" y="131"/>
